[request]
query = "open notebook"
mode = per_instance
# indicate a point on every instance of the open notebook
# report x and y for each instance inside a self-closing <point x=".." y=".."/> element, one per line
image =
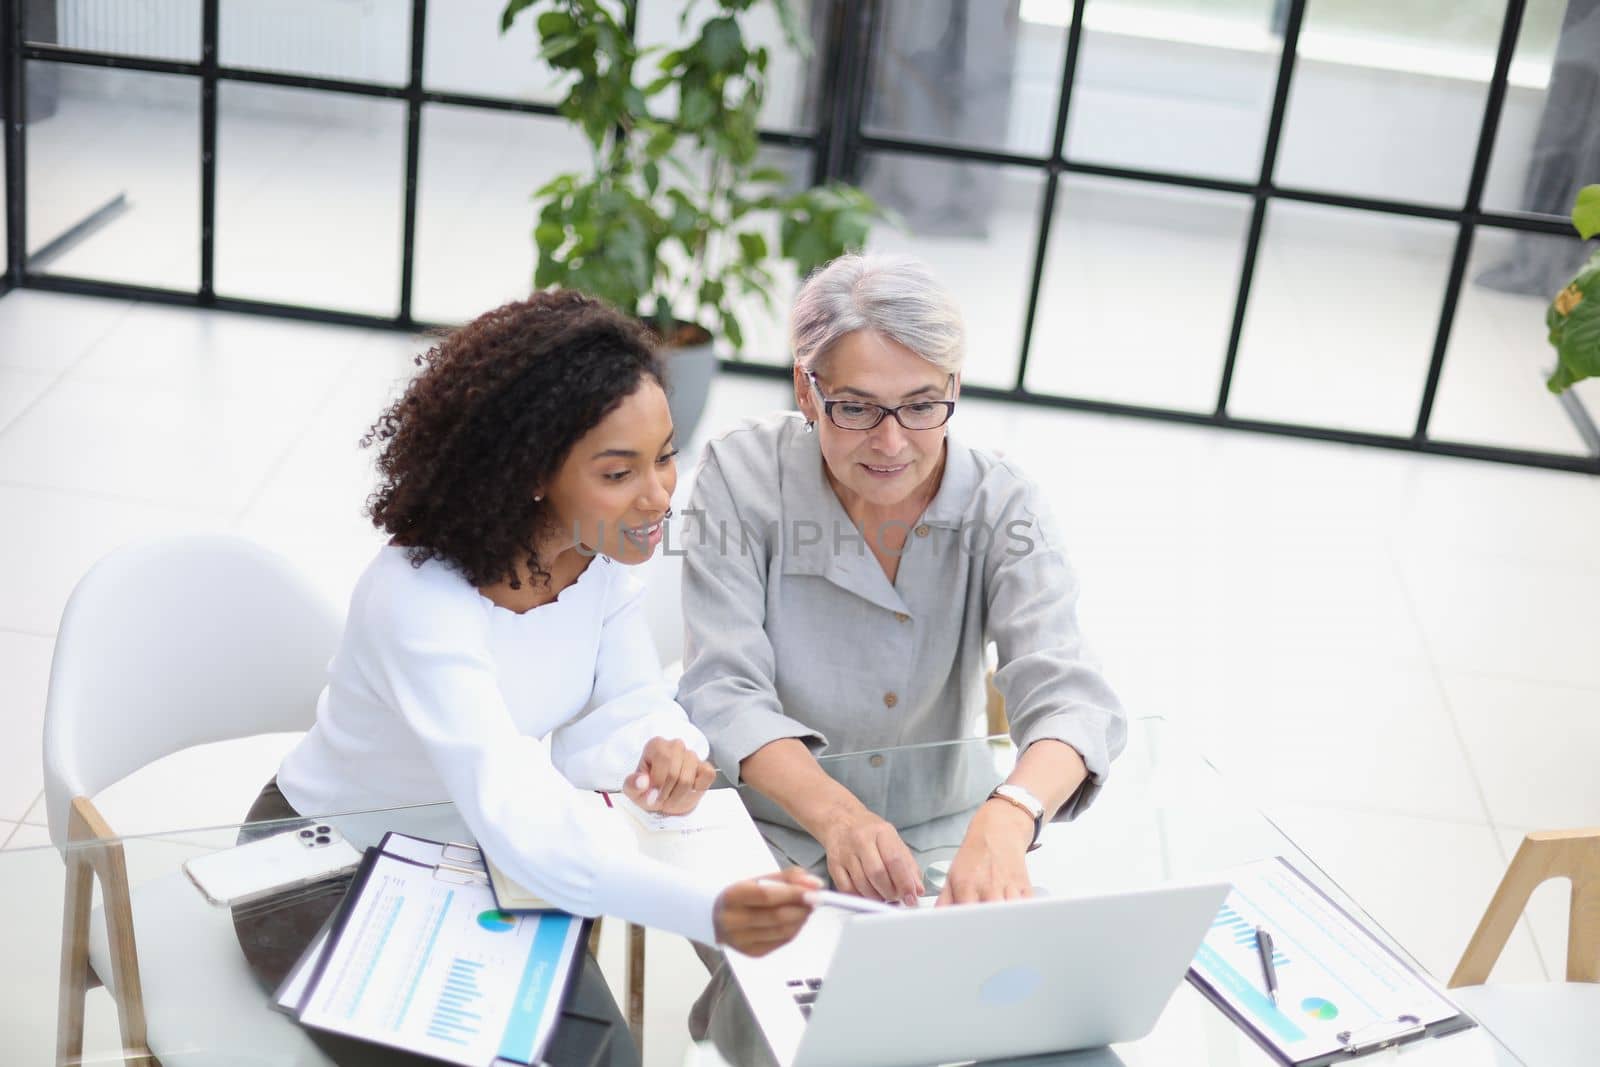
<point x="718" y="836"/>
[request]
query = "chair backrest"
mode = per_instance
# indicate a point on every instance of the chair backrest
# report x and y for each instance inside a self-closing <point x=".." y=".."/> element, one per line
<point x="1570" y="854"/>
<point x="177" y="642"/>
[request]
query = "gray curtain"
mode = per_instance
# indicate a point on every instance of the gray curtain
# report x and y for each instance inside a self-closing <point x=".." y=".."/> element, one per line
<point x="44" y="79"/>
<point x="941" y="70"/>
<point x="1566" y="157"/>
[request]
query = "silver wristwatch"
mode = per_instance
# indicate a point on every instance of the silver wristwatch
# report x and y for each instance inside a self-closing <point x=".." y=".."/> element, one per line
<point x="1025" y="800"/>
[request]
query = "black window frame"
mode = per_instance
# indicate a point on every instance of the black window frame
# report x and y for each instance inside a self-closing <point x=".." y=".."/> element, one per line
<point x="838" y="144"/>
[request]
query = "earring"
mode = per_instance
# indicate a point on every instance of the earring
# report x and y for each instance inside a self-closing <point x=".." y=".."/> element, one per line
<point x="538" y="497"/>
<point x="667" y="516"/>
<point x="810" y="425"/>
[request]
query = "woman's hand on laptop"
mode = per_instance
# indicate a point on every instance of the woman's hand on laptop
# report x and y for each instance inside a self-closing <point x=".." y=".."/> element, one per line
<point x="670" y="778"/>
<point x="866" y="857"/>
<point x="991" y="864"/>
<point x="760" y="914"/>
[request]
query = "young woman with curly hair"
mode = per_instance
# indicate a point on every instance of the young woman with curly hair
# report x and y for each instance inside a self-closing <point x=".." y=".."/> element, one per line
<point x="496" y="653"/>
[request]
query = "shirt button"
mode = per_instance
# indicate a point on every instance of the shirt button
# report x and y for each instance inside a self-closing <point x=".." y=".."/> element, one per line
<point x="901" y="616"/>
<point x="890" y="700"/>
<point x="876" y="761"/>
<point x="922" y="531"/>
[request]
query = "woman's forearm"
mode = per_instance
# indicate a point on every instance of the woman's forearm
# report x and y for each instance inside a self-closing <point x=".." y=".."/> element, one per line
<point x="1052" y="771"/>
<point x="787" y="772"/>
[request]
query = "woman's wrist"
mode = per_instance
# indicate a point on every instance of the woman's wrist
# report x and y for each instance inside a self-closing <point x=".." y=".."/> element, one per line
<point x="840" y="813"/>
<point x="1002" y="822"/>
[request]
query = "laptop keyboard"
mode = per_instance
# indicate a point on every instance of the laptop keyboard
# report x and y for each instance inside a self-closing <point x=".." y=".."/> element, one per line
<point x="805" y="991"/>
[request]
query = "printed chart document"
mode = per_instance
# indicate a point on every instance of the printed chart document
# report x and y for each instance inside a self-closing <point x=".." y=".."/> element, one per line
<point x="1340" y="991"/>
<point x="419" y="957"/>
<point x="717" y="836"/>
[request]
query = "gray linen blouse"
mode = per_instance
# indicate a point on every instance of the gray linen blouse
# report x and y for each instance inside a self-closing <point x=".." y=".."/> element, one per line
<point x="794" y="630"/>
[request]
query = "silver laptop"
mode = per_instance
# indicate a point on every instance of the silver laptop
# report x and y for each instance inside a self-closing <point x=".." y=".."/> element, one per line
<point x="979" y="981"/>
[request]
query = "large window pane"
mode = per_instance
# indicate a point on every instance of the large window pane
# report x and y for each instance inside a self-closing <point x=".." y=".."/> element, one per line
<point x="113" y="180"/>
<point x="1185" y="90"/>
<point x="1138" y="293"/>
<point x="1342" y="317"/>
<point x="967" y="72"/>
<point x="158" y="29"/>
<point x="474" y="217"/>
<point x="976" y="226"/>
<point x="369" y="41"/>
<point x="1492" y="388"/>
<point x="1548" y="144"/>
<point x="309" y="197"/>
<point x="1378" y="108"/>
<point x="466" y="53"/>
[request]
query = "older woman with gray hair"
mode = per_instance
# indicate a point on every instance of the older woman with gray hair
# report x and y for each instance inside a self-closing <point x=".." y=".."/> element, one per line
<point x="845" y="571"/>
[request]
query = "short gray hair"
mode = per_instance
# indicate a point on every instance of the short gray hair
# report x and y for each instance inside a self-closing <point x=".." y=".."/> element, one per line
<point x="895" y="296"/>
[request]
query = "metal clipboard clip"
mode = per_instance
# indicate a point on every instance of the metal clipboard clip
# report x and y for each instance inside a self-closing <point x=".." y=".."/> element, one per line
<point x="465" y="855"/>
<point x="467" y="869"/>
<point x="1380" y="1035"/>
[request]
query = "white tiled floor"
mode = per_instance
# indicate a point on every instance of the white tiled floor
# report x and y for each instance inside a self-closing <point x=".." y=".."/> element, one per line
<point x="1389" y="652"/>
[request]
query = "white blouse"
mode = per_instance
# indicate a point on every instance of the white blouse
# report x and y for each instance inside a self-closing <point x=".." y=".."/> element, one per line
<point x="436" y="694"/>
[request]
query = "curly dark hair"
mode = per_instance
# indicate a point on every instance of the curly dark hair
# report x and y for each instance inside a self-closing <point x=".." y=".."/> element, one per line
<point x="494" y="412"/>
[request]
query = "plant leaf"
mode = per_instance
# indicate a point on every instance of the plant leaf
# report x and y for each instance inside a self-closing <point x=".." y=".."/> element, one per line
<point x="660" y="142"/>
<point x="1586" y="211"/>
<point x="767" y="174"/>
<point x="548" y="236"/>
<point x="554" y="24"/>
<point x="1574" y="321"/>
<point x="754" y="246"/>
<point x="732" y="330"/>
<point x="722" y="44"/>
<point x="698" y="107"/>
<point x="513" y="9"/>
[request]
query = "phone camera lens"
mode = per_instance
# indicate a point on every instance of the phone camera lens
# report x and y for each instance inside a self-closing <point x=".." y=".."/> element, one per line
<point x="306" y="833"/>
<point x="324" y="839"/>
<point x="324" y="829"/>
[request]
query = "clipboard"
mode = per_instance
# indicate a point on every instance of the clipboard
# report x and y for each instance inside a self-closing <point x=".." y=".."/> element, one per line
<point x="1339" y="961"/>
<point x="458" y="979"/>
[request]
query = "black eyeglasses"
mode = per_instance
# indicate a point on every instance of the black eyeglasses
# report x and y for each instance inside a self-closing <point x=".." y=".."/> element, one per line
<point x="860" y="415"/>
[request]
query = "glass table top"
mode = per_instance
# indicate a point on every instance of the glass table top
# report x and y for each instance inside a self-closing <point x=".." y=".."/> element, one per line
<point x="1164" y="815"/>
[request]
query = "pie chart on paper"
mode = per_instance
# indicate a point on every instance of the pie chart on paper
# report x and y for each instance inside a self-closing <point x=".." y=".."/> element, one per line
<point x="1318" y="1008"/>
<point x="497" y="922"/>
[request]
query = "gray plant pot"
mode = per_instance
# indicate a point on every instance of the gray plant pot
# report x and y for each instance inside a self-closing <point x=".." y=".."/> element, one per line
<point x="689" y="373"/>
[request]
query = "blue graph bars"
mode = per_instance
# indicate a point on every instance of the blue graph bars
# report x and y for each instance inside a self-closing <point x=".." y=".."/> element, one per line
<point x="1244" y="933"/>
<point x="453" y="1018"/>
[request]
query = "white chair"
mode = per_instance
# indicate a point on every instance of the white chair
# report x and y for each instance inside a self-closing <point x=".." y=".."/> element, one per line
<point x="1550" y="1024"/>
<point x="165" y="645"/>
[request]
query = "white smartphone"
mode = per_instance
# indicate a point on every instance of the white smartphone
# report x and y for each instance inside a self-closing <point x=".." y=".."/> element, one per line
<point x="271" y="865"/>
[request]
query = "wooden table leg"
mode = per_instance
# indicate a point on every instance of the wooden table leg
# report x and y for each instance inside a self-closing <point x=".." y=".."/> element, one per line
<point x="635" y="975"/>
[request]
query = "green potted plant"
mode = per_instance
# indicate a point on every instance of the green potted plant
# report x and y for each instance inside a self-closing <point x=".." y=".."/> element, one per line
<point x="1574" y="315"/>
<point x="672" y="219"/>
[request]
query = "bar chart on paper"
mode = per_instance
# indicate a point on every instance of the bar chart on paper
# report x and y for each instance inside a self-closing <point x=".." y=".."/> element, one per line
<point x="457" y="1017"/>
<point x="1244" y="934"/>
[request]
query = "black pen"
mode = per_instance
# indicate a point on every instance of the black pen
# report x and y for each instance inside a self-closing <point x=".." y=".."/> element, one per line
<point x="1268" y="972"/>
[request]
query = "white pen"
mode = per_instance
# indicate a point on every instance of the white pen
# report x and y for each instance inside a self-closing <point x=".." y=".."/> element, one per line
<point x="821" y="898"/>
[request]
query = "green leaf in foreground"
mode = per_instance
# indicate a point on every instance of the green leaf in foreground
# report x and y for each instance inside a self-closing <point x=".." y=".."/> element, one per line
<point x="1574" y="321"/>
<point x="1586" y="211"/>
